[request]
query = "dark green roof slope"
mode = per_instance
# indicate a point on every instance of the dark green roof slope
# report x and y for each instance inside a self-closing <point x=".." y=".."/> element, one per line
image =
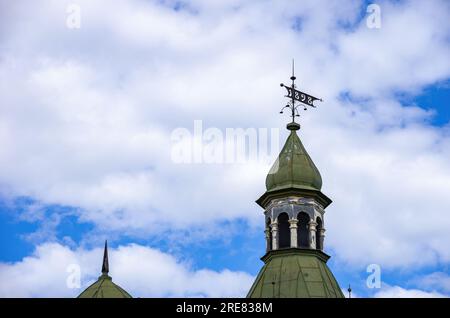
<point x="293" y="168"/>
<point x="295" y="273"/>
<point x="104" y="288"/>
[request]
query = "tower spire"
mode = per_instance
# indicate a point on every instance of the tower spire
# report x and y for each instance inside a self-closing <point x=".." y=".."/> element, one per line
<point x="294" y="208"/>
<point x="296" y="96"/>
<point x="105" y="265"/>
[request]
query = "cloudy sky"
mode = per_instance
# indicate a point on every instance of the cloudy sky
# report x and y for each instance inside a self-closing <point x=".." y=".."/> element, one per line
<point x="92" y="92"/>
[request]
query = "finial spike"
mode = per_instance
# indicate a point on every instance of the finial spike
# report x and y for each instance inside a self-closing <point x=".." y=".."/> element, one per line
<point x="105" y="265"/>
<point x="293" y="67"/>
<point x="293" y="72"/>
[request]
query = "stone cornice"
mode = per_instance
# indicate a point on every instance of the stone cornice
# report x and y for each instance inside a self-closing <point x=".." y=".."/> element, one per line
<point x="294" y="250"/>
<point x="268" y="196"/>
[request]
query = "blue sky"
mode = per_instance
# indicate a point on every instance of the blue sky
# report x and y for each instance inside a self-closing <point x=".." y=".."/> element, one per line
<point x="87" y="117"/>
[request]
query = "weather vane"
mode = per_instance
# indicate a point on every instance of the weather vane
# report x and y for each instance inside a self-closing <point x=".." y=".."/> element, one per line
<point x="297" y="96"/>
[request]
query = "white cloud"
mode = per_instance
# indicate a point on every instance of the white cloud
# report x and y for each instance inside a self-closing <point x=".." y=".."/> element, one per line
<point x="399" y="292"/>
<point x="437" y="281"/>
<point x="86" y="115"/>
<point x="142" y="271"/>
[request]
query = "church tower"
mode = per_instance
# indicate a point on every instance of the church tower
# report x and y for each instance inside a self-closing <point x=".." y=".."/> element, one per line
<point x="294" y="208"/>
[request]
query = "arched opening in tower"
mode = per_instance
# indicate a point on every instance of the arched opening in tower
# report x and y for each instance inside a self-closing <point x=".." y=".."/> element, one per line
<point x="319" y="239"/>
<point x="302" y="230"/>
<point x="269" y="234"/>
<point x="284" y="231"/>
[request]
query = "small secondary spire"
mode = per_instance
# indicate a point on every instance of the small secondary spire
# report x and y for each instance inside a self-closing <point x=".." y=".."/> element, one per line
<point x="105" y="265"/>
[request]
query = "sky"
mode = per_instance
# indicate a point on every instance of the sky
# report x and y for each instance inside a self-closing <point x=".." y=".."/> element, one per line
<point x="95" y="96"/>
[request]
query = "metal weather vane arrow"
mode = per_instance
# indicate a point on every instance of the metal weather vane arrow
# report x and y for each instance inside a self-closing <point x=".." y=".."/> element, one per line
<point x="296" y="95"/>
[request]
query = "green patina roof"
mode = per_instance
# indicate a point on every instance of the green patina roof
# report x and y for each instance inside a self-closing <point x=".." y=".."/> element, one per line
<point x="293" y="167"/>
<point x="104" y="287"/>
<point x="295" y="273"/>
